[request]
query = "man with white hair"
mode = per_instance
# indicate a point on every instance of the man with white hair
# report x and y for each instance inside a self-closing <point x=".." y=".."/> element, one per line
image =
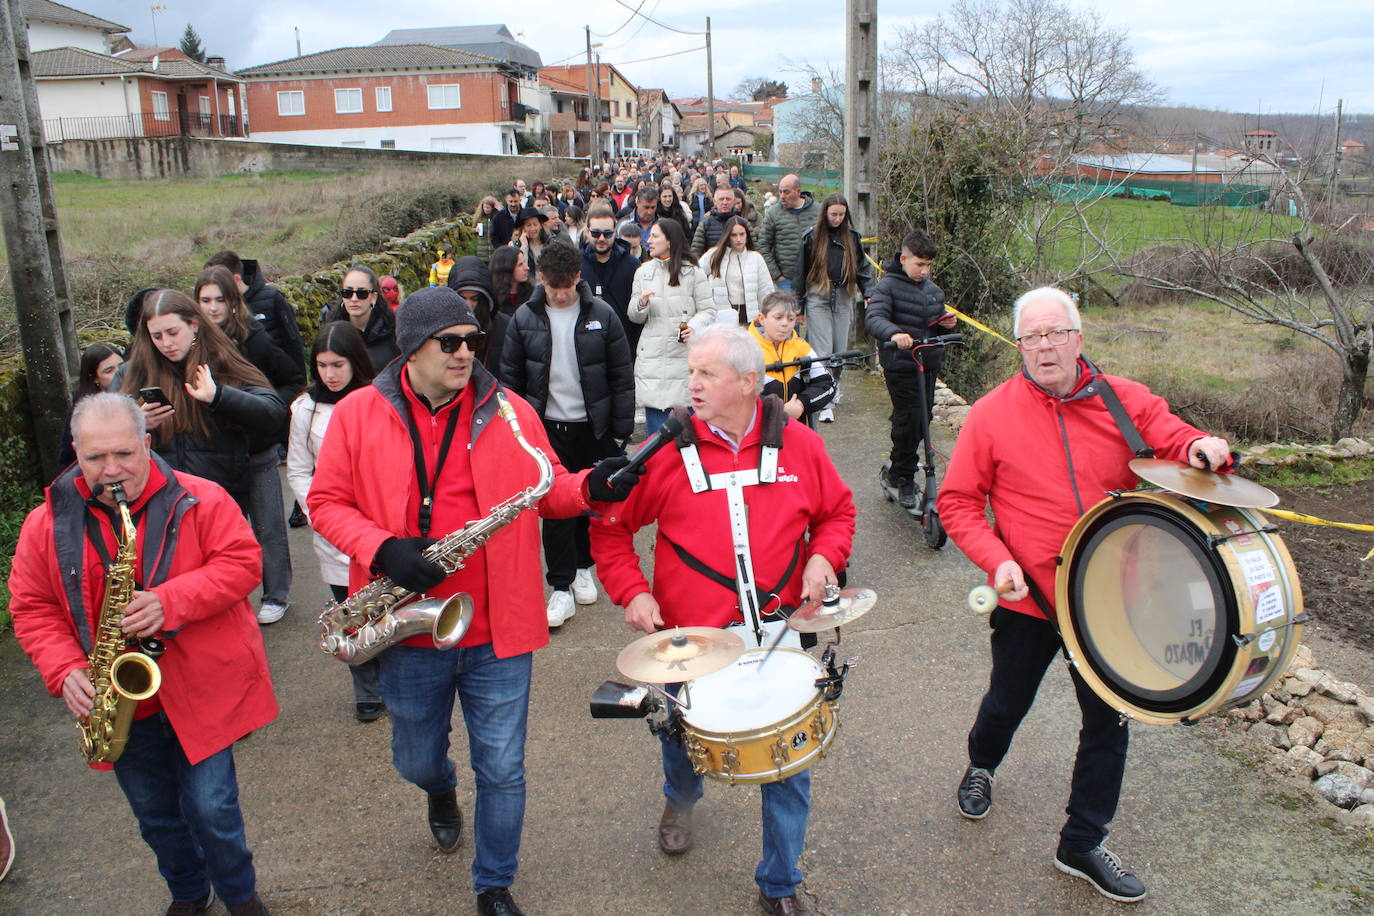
<point x="1040" y="449"/>
<point x="739" y="457"/>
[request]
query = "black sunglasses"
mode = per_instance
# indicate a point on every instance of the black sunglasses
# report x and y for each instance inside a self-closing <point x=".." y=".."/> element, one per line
<point x="349" y="292"/>
<point x="450" y="343"/>
<point x="601" y="233"/>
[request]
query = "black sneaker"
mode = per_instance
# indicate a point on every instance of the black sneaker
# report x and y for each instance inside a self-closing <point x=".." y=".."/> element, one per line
<point x="1101" y="868"/>
<point x="497" y="902"/>
<point x="192" y="907"/>
<point x="297" y="518"/>
<point x="975" y="793"/>
<point x="906" y="494"/>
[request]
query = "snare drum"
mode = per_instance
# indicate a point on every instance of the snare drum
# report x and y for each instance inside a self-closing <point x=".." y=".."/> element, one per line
<point x="754" y="722"/>
<point x="1174" y="609"/>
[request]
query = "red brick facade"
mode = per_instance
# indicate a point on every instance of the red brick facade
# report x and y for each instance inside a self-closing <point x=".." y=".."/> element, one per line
<point x="485" y="97"/>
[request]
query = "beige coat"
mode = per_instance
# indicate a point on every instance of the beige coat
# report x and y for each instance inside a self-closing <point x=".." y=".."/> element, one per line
<point x="661" y="360"/>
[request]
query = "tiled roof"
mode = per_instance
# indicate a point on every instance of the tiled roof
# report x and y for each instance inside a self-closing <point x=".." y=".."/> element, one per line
<point x="65" y="62"/>
<point x="48" y="11"/>
<point x="372" y="57"/>
<point x="493" y="41"/>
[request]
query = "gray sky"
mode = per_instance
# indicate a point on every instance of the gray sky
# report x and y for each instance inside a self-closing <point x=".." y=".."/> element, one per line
<point x="1237" y="55"/>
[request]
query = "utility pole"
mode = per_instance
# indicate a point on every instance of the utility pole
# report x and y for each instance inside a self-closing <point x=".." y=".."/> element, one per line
<point x="861" y="111"/>
<point x="593" y="116"/>
<point x="29" y="232"/>
<point x="710" y="98"/>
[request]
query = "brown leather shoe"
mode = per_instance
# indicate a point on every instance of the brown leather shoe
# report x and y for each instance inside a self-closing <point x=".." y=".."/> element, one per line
<point x="675" y="830"/>
<point x="790" y="905"/>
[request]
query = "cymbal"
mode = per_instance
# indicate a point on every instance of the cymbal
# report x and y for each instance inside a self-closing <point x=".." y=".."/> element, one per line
<point x="1208" y="486"/>
<point x="847" y="607"/>
<point x="679" y="654"/>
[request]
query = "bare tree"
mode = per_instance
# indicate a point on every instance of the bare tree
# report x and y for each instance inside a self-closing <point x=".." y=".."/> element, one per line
<point x="819" y="116"/>
<point x="759" y="88"/>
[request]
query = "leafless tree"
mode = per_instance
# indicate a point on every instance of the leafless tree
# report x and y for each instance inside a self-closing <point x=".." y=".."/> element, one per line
<point x="819" y="116"/>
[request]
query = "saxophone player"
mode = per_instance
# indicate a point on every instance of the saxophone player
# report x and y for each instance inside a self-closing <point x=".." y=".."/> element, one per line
<point x="414" y="457"/>
<point x="197" y="562"/>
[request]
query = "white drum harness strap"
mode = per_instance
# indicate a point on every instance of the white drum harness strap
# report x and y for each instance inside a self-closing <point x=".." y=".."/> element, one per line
<point x="752" y="598"/>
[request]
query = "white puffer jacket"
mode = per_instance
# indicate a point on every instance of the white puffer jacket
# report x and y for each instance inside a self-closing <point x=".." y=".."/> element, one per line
<point x="661" y="360"/>
<point x="753" y="269"/>
<point x="309" y="420"/>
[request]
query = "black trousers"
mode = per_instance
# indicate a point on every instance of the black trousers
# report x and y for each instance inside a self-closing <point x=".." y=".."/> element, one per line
<point x="567" y="541"/>
<point x="1022" y="648"/>
<point x="900" y="376"/>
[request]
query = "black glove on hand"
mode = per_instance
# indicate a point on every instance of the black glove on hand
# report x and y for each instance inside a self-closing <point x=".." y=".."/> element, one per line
<point x="599" y="488"/>
<point x="402" y="559"/>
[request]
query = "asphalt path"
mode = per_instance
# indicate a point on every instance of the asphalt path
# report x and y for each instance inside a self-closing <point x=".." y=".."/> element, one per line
<point x="1207" y="826"/>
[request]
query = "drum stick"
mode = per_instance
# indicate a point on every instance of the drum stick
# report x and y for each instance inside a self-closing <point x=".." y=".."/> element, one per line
<point x="983" y="599"/>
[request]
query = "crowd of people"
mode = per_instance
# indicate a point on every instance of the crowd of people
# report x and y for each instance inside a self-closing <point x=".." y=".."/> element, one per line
<point x="649" y="284"/>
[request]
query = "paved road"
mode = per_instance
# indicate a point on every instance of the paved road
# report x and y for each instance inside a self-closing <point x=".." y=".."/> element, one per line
<point x="335" y="831"/>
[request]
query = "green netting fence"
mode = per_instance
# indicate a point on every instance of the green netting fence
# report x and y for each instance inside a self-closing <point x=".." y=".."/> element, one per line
<point x="812" y="177"/>
<point x="1178" y="193"/>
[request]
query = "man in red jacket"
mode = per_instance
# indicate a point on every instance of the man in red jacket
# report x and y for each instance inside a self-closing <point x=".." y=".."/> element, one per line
<point x="1040" y="449"/>
<point x="413" y="457"/>
<point x="799" y="516"/>
<point x="197" y="564"/>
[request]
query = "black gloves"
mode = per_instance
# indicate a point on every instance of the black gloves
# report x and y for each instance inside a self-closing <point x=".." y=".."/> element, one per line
<point x="402" y="560"/>
<point x="599" y="487"/>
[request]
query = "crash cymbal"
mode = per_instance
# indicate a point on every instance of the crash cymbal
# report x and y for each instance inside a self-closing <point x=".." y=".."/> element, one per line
<point x="1208" y="486"/>
<point x="679" y="654"/>
<point x="846" y="607"/>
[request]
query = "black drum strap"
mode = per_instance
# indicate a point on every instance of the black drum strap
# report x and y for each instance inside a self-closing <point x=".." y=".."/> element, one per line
<point x="724" y="581"/>
<point x="1134" y="440"/>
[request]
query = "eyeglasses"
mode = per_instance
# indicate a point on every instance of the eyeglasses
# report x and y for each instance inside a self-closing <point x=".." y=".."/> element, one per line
<point x="349" y="292"/>
<point x="601" y="233"/>
<point x="1057" y="338"/>
<point x="450" y="343"/>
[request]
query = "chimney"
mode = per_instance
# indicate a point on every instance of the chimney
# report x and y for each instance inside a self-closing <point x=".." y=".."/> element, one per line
<point x="816" y="84"/>
<point x="219" y="63"/>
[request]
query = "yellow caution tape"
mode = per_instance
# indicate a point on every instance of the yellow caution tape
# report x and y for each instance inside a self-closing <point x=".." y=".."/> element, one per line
<point x="949" y="308"/>
<point x="1313" y="520"/>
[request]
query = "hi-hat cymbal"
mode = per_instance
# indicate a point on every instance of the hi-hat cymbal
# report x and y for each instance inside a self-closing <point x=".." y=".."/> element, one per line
<point x="847" y="607"/>
<point x="679" y="654"/>
<point x="1208" y="486"/>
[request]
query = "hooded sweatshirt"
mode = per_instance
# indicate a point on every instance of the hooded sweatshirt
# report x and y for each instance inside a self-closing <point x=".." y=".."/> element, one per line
<point x="472" y="274"/>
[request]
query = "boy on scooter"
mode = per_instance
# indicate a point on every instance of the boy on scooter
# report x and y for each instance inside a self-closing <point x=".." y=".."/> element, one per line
<point x="905" y="304"/>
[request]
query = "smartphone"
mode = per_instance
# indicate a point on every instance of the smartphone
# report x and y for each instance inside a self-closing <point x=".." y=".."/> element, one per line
<point x="154" y="395"/>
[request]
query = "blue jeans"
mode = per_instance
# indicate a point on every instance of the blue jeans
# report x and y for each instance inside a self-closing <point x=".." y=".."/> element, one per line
<point x="188" y="815"/>
<point x="784" y="284"/>
<point x="418" y="686"/>
<point x="786" y="807"/>
<point x="653" y="419"/>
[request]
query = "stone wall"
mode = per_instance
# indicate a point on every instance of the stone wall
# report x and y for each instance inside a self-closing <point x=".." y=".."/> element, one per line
<point x="203" y="157"/>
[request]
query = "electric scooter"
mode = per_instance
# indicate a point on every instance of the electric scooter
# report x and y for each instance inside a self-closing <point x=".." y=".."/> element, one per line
<point x="924" y="511"/>
<point x="845" y="359"/>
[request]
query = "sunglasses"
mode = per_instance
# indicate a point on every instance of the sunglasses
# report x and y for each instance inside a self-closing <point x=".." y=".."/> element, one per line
<point x="349" y="292"/>
<point x="450" y="343"/>
<point x="601" y="233"/>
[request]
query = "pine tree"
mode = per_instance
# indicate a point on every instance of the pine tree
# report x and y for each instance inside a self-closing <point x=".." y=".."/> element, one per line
<point x="191" y="46"/>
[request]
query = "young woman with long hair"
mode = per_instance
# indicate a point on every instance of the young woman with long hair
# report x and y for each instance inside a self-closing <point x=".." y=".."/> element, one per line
<point x="671" y="297"/>
<point x="738" y="272"/>
<point x="833" y="273"/>
<point x="670" y="206"/>
<point x="510" y="284"/>
<point x="360" y="303"/>
<point x="218" y="297"/>
<point x="339" y="365"/>
<point x="99" y="364"/>
<point x="481" y="225"/>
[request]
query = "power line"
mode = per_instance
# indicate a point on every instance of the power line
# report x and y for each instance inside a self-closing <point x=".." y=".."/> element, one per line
<point x="627" y="21"/>
<point x="661" y="25"/>
<point x="656" y="57"/>
<point x="635" y="34"/>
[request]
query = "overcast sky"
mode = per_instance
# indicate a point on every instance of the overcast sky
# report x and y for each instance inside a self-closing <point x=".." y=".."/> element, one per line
<point x="1238" y="55"/>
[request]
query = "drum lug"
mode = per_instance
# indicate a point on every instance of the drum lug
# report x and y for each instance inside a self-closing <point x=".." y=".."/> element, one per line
<point x="729" y="760"/>
<point x="1123" y="717"/>
<point x="697" y="754"/>
<point x="779" y="751"/>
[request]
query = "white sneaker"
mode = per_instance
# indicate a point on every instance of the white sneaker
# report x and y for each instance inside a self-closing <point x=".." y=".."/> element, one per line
<point x="825" y="415"/>
<point x="584" y="587"/>
<point x="271" y="612"/>
<point x="561" y="608"/>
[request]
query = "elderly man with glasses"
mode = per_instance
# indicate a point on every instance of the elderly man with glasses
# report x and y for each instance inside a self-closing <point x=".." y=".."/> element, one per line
<point x="1040" y="449"/>
<point x="412" y="458"/>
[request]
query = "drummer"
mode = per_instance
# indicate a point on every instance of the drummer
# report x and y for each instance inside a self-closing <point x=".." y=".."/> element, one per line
<point x="799" y="519"/>
<point x="1040" y="449"/>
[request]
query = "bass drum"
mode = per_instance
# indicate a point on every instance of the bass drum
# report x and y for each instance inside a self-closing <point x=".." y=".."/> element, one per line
<point x="1174" y="609"/>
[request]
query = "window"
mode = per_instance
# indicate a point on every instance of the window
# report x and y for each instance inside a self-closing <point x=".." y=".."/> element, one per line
<point x="160" y="111"/>
<point x="348" y="101"/>
<point x="629" y="109"/>
<point x="229" y="97"/>
<point x="205" y="105"/>
<point x="445" y="96"/>
<point x="383" y="98"/>
<point x="388" y="144"/>
<point x="290" y="103"/>
<point x="615" y="108"/>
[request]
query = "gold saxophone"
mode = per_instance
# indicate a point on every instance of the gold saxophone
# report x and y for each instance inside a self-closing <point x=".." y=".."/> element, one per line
<point x="382" y="613"/>
<point x="121" y="676"/>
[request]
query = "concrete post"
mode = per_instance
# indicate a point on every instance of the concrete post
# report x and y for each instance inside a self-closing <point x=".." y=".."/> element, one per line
<point x="861" y="111"/>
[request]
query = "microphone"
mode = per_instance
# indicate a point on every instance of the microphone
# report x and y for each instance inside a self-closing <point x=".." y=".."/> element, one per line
<point x="665" y="434"/>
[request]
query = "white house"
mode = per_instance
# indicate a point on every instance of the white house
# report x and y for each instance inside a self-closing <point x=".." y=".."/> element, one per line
<point x="52" y="25"/>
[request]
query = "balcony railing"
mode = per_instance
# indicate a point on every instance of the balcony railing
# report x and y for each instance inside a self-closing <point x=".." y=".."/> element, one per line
<point x="147" y="124"/>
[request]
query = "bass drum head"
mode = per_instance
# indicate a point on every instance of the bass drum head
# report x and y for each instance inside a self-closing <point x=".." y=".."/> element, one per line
<point x="1145" y="605"/>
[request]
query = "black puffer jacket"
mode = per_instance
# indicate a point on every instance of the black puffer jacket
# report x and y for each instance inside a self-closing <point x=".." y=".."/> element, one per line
<point x="268" y="305"/>
<point x="611" y="282"/>
<point x="471" y="273"/>
<point x="379" y="335"/>
<point x="603" y="361"/>
<point x="709" y="231"/>
<point x="286" y="375"/>
<point x="900" y="305"/>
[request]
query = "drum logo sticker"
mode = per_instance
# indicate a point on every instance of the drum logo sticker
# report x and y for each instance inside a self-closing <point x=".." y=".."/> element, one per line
<point x="799" y="740"/>
<point x="1266" y="640"/>
<point x="1240" y="540"/>
<point x="1268" y="603"/>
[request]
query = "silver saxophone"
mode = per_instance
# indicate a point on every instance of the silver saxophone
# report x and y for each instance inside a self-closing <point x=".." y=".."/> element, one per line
<point x="382" y="613"/>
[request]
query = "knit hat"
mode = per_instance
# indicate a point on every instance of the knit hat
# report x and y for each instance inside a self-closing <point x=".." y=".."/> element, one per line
<point x="425" y="313"/>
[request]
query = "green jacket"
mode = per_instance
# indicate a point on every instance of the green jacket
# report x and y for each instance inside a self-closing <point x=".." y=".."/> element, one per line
<point x="780" y="237"/>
